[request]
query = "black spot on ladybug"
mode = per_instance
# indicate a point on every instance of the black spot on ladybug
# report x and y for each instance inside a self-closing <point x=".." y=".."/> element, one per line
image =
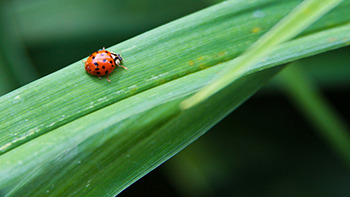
<point x="106" y="72"/>
<point x="97" y="69"/>
<point x="104" y="60"/>
<point x="93" y="57"/>
<point x="110" y="62"/>
<point x="98" y="73"/>
<point x="96" y="64"/>
<point x="112" y="65"/>
<point x="103" y="67"/>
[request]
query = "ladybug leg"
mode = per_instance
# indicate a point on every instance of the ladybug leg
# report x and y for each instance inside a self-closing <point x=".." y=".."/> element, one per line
<point x="108" y="79"/>
<point x="122" y="66"/>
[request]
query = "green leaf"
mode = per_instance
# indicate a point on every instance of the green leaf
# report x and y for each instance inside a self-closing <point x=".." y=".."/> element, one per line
<point x="70" y="133"/>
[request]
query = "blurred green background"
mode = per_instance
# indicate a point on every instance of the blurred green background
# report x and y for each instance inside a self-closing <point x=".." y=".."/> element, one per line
<point x="267" y="147"/>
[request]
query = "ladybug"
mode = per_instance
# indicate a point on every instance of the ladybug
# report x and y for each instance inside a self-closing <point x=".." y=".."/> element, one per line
<point x="103" y="62"/>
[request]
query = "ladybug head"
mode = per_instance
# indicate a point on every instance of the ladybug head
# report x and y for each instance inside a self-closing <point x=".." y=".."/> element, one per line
<point x="118" y="57"/>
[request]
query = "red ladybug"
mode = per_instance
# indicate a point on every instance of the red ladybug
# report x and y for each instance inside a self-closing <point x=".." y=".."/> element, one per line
<point x="102" y="63"/>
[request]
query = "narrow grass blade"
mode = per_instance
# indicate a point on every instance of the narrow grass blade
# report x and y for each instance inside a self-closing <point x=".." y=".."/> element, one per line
<point x="317" y="110"/>
<point x="299" y="19"/>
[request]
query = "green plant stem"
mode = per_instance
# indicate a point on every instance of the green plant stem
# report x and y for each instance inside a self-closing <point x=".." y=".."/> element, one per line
<point x="317" y="110"/>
